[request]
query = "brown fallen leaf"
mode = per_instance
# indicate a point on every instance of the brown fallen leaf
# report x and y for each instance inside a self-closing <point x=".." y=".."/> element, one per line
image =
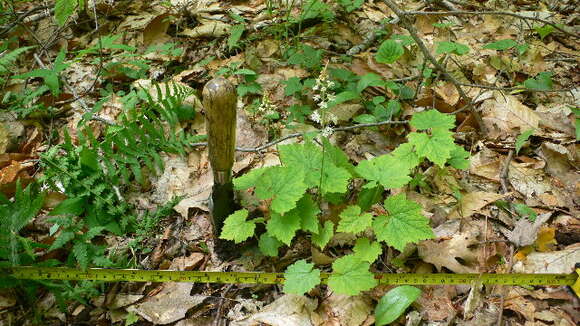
<point x="169" y="305"/>
<point x="473" y="202"/>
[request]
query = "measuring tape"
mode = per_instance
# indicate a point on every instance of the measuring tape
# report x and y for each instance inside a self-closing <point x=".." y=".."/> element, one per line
<point x="137" y="275"/>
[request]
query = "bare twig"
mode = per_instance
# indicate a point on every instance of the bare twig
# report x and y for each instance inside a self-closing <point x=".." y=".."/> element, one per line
<point x="505" y="172"/>
<point x="24" y="17"/>
<point x="261" y="148"/>
<point x="413" y="32"/>
<point x="497" y="13"/>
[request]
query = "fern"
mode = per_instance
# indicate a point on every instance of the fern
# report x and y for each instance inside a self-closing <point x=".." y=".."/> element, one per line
<point x="8" y="59"/>
<point x="14" y="215"/>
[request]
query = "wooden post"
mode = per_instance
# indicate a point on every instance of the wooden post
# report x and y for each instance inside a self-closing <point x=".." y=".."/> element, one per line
<point x="219" y="101"/>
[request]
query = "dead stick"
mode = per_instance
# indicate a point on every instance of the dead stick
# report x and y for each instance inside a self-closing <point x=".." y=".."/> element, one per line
<point x="219" y="101"/>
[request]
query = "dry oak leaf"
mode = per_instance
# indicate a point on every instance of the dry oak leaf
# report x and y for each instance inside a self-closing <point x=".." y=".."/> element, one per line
<point x="473" y="202"/>
<point x="452" y="247"/>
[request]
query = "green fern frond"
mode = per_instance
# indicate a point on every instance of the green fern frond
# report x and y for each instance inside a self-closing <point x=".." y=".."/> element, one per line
<point x="7" y="59"/>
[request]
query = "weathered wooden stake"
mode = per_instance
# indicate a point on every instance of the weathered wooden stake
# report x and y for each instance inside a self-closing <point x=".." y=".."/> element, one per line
<point x="219" y="101"/>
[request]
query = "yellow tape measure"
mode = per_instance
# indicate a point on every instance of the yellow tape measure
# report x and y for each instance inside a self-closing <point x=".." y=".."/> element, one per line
<point x="136" y="275"/>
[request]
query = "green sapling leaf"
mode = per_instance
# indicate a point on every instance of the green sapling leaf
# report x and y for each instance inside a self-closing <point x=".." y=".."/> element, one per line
<point x="236" y="227"/>
<point x="301" y="277"/>
<point x="403" y="225"/>
<point x="393" y="304"/>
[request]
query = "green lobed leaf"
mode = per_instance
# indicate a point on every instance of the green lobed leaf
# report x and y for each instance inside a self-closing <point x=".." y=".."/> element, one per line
<point x="236" y="227"/>
<point x="406" y="156"/>
<point x="269" y="245"/>
<point x="351" y="275"/>
<point x="501" y="45"/>
<point x="389" y="52"/>
<point x="284" y="185"/>
<point x="432" y="119"/>
<point x="324" y="235"/>
<point x="403" y="225"/>
<point x="284" y="227"/>
<point x="307" y="157"/>
<point x="352" y="221"/>
<point x="308" y="211"/>
<point x="386" y="170"/>
<point x="366" y="250"/>
<point x="301" y="277"/>
<point x="459" y="158"/>
<point x="436" y="147"/>
<point x="393" y="304"/>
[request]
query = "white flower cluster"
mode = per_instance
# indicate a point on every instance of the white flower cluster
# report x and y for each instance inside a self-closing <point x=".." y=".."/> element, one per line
<point x="266" y="107"/>
<point x="323" y="95"/>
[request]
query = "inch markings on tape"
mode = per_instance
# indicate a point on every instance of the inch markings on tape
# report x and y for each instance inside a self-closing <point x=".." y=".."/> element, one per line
<point x="137" y="275"/>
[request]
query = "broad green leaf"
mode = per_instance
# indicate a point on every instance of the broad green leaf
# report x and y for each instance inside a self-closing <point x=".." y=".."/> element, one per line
<point x="544" y="31"/>
<point x="336" y="156"/>
<point x="389" y="52"/>
<point x="393" y="304"/>
<point x="236" y="32"/>
<point x="436" y="147"/>
<point x="324" y="235"/>
<point x="367" y="80"/>
<point x="542" y="82"/>
<point x="351" y="5"/>
<point x="293" y="86"/>
<point x="406" y="156"/>
<point x="308" y="158"/>
<point x="283" y="184"/>
<point x="459" y="158"/>
<point x="71" y="206"/>
<point x="63" y="9"/>
<point x="403" y="225"/>
<point x="301" y="277"/>
<point x="501" y="45"/>
<point x="452" y="48"/>
<point x="352" y="221"/>
<point x="269" y="245"/>
<point x="351" y="275"/>
<point x="284" y="227"/>
<point x="236" y="227"/>
<point x="308" y="211"/>
<point x="334" y="179"/>
<point x="366" y="250"/>
<point x="522" y="138"/>
<point x="432" y="119"/>
<point x="386" y="170"/>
